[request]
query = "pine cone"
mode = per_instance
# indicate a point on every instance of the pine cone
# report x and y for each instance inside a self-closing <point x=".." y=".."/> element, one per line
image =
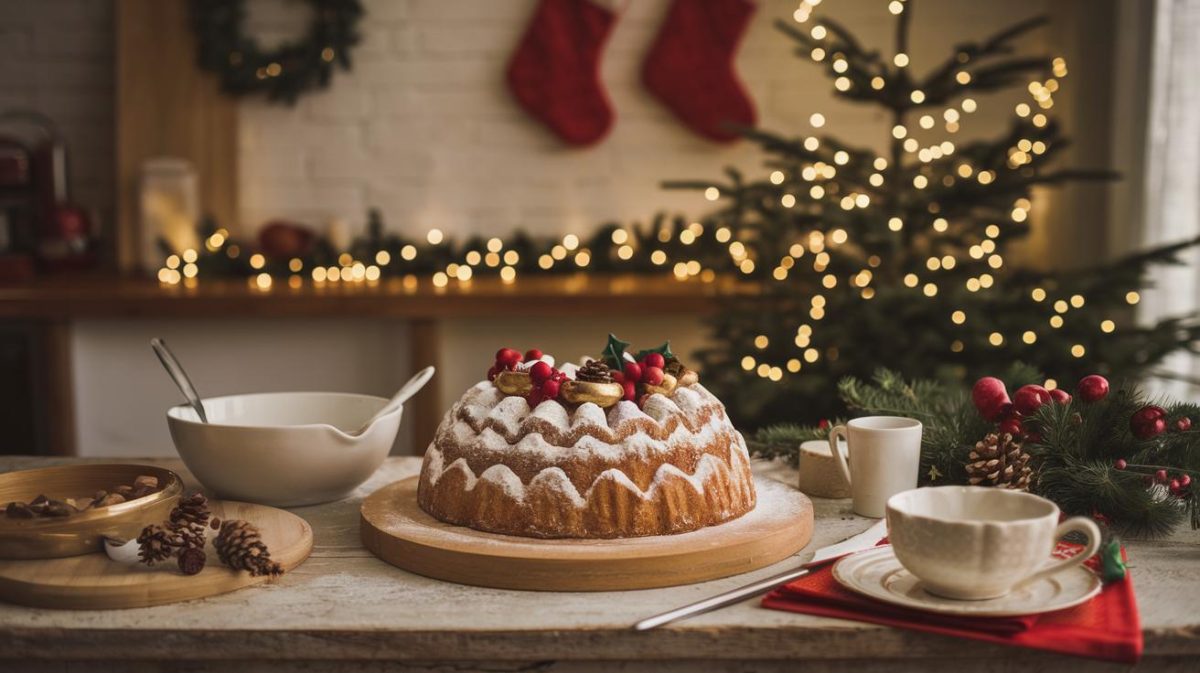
<point x="191" y="511"/>
<point x="156" y="543"/>
<point x="999" y="460"/>
<point x="240" y="547"/>
<point x="594" y="371"/>
<point x="192" y="560"/>
<point x="673" y="367"/>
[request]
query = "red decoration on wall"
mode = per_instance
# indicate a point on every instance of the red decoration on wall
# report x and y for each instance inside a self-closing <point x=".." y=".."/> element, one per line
<point x="554" y="73"/>
<point x="690" y="66"/>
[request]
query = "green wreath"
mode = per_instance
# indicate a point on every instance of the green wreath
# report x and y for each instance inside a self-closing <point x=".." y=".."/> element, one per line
<point x="283" y="73"/>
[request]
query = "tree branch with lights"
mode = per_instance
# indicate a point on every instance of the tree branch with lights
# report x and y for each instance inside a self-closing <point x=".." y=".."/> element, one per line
<point x="900" y="260"/>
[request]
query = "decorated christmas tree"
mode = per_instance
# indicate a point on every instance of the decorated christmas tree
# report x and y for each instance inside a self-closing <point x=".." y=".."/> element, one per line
<point x="901" y="260"/>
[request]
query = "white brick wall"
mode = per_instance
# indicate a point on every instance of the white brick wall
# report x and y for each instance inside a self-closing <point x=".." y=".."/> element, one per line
<point x="424" y="127"/>
<point x="56" y="57"/>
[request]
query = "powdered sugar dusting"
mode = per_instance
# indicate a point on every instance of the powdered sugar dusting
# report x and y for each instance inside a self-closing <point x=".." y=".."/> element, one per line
<point x="554" y="479"/>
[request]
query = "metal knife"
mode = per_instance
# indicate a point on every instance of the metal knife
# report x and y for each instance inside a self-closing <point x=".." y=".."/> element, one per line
<point x="864" y="540"/>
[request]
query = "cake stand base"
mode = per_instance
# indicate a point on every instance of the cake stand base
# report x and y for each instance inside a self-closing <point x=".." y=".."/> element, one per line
<point x="398" y="531"/>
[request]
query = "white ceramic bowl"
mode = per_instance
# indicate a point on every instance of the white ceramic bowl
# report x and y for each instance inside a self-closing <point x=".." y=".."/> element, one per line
<point x="283" y="449"/>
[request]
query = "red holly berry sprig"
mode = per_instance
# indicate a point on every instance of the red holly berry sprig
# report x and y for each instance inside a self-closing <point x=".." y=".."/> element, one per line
<point x="547" y="381"/>
<point x="993" y="403"/>
<point x="637" y="375"/>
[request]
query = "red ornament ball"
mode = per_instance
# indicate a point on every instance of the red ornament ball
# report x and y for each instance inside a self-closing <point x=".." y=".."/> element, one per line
<point x="1060" y="396"/>
<point x="280" y="239"/>
<point x="1184" y="424"/>
<point x="550" y="389"/>
<point x="540" y="371"/>
<point x="1149" y="429"/>
<point x="990" y="397"/>
<point x="507" y="357"/>
<point x="1093" y="388"/>
<point x="633" y="371"/>
<point x="652" y="376"/>
<point x="630" y="391"/>
<point x="1012" y="425"/>
<point x="654" y="360"/>
<point x="1147" y="414"/>
<point x="1121" y="464"/>
<point x="533" y="354"/>
<point x="1030" y="398"/>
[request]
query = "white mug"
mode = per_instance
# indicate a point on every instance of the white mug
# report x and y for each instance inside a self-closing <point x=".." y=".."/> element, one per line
<point x="885" y="456"/>
<point x="975" y="543"/>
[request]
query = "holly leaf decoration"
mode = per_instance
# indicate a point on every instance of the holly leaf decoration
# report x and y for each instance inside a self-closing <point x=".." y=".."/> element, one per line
<point x="664" y="350"/>
<point x="1112" y="565"/>
<point x="614" y="353"/>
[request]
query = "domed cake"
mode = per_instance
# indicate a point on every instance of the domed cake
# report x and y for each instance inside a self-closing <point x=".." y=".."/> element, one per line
<point x="587" y="452"/>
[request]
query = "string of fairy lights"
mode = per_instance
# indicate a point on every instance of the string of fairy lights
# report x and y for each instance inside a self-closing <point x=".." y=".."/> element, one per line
<point x="854" y="232"/>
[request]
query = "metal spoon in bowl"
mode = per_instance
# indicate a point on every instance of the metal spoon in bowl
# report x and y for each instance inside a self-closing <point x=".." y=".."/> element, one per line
<point x="406" y="391"/>
<point x="178" y="375"/>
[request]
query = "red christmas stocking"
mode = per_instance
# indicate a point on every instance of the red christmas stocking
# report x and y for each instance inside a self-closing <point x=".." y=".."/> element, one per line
<point x="690" y="66"/>
<point x="554" y="73"/>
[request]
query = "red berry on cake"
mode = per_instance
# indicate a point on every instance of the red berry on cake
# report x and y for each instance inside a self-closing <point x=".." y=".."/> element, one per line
<point x="507" y="357"/>
<point x="654" y="360"/>
<point x="652" y="376"/>
<point x="617" y="377"/>
<point x="633" y="371"/>
<point x="496" y="369"/>
<point x="550" y="389"/>
<point x="630" y="391"/>
<point x="533" y="354"/>
<point x="540" y="371"/>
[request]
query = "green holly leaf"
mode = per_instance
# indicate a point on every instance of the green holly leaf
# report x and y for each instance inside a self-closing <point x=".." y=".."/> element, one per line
<point x="614" y="353"/>
<point x="1112" y="566"/>
<point x="664" y="350"/>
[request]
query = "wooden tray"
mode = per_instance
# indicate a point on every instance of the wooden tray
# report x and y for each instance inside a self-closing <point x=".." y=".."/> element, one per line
<point x="94" y="581"/>
<point x="398" y="531"/>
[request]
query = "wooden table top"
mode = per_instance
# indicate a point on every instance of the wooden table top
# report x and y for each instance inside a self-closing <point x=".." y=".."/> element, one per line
<point x="344" y="604"/>
<point x="106" y="296"/>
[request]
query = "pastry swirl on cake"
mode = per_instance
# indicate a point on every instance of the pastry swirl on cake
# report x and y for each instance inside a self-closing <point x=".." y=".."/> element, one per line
<point x="665" y="463"/>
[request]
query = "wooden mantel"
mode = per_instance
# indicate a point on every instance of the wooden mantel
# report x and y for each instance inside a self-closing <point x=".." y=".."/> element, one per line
<point x="576" y="294"/>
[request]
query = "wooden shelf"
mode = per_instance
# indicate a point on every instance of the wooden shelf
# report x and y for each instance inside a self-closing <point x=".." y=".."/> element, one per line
<point x="577" y="294"/>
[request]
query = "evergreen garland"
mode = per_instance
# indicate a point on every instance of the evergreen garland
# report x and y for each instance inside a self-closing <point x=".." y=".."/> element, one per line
<point x="283" y="73"/>
<point x="1076" y="448"/>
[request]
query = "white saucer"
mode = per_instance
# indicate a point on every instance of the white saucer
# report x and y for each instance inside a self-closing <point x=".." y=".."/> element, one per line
<point x="877" y="573"/>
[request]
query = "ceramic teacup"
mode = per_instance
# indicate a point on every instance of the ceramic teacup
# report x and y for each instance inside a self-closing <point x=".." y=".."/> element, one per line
<point x="975" y="543"/>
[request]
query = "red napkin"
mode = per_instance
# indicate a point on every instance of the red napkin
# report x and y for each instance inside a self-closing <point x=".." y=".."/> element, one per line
<point x="1107" y="627"/>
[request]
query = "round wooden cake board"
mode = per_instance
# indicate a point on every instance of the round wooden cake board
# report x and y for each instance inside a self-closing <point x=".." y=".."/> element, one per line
<point x="398" y="531"/>
<point x="94" y="581"/>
